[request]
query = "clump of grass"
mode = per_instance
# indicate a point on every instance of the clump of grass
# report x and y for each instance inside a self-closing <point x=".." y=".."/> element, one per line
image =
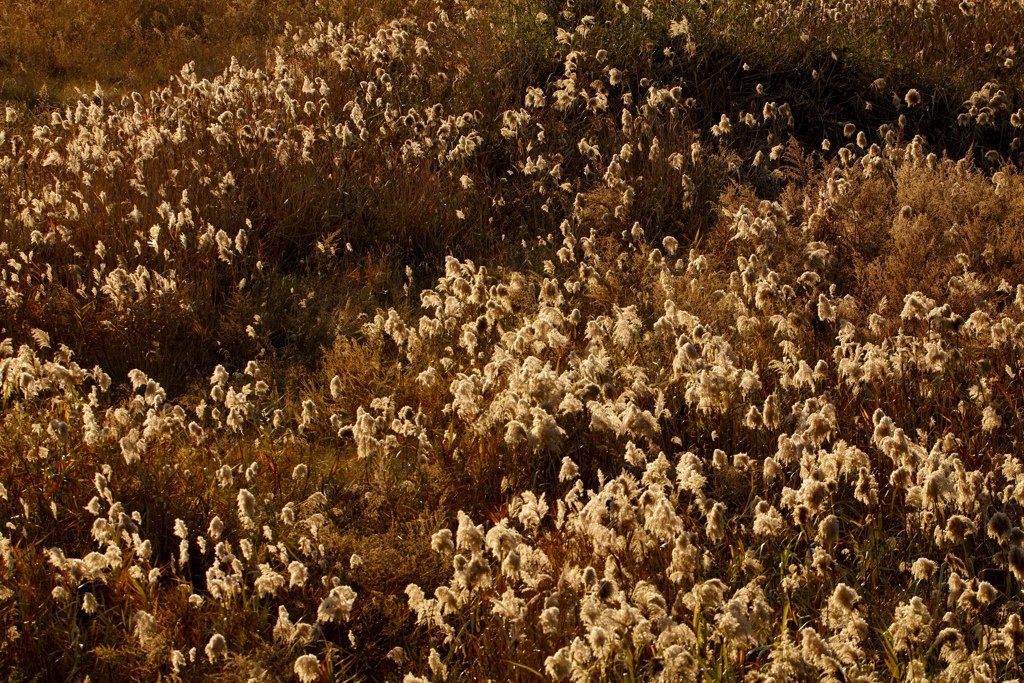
<point x="50" y="48"/>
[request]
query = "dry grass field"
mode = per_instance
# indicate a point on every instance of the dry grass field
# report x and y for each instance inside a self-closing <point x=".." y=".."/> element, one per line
<point x="467" y="340"/>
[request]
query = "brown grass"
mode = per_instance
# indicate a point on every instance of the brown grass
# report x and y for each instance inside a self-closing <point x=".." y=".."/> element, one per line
<point x="371" y="280"/>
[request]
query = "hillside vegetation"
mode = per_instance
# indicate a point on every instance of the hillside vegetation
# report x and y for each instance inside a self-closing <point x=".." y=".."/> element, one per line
<point x="525" y="340"/>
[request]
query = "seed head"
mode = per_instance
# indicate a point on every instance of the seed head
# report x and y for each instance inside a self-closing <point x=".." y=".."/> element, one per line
<point x="1015" y="558"/>
<point x="987" y="593"/>
<point x="569" y="470"/>
<point x="844" y="597"/>
<point x="923" y="568"/>
<point x="999" y="527"/>
<point x="217" y="647"/>
<point x="307" y="668"/>
<point x="246" y="504"/>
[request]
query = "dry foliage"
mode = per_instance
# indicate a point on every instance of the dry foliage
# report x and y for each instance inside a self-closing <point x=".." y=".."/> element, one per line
<point x="583" y="341"/>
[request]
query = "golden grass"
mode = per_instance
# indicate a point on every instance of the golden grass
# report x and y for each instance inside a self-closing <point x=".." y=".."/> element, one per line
<point x="511" y="340"/>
